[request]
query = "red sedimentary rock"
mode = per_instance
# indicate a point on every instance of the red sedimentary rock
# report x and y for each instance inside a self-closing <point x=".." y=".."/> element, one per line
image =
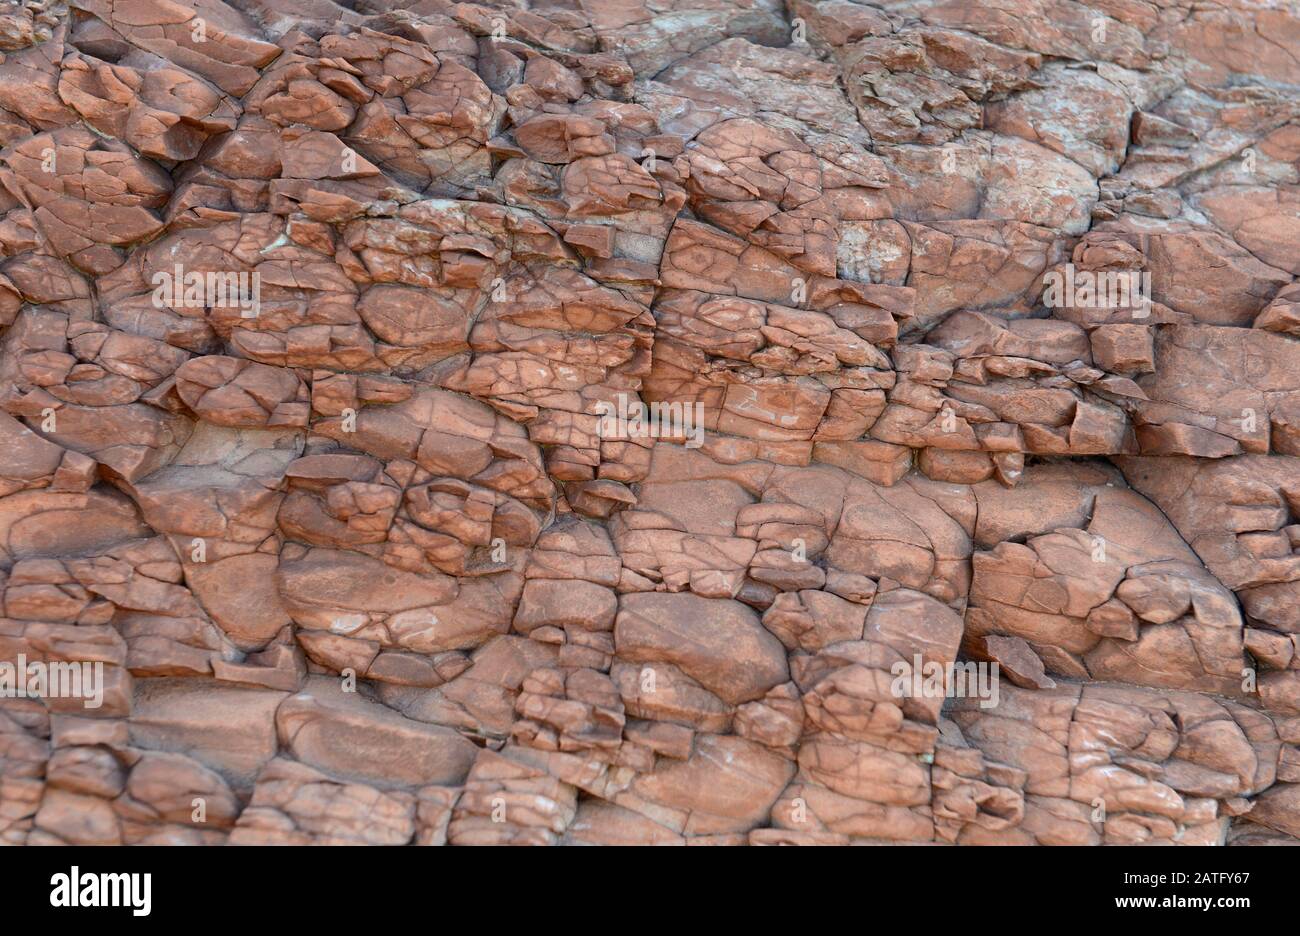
<point x="723" y="421"/>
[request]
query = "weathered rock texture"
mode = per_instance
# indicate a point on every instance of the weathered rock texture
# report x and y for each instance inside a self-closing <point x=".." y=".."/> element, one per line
<point x="362" y="565"/>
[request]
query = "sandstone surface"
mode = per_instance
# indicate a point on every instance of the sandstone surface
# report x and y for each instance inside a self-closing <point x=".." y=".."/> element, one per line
<point x="561" y="422"/>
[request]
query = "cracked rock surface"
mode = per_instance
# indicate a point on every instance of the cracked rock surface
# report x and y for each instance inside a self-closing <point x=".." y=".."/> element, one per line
<point x="313" y="317"/>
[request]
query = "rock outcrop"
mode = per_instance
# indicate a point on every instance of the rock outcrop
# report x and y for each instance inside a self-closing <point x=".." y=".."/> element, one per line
<point x="715" y="422"/>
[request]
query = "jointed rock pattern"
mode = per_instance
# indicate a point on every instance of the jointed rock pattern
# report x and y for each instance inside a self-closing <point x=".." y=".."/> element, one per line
<point x="362" y="564"/>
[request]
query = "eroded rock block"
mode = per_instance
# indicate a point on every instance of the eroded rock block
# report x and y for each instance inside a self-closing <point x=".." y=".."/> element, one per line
<point x="725" y="423"/>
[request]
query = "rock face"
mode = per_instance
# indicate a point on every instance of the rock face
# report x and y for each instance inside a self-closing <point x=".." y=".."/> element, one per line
<point x="714" y="422"/>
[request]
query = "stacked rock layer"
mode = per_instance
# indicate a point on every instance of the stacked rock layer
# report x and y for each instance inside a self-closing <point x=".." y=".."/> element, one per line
<point x="313" y="317"/>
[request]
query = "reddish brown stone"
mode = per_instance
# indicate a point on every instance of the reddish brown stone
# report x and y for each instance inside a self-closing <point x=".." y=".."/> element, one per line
<point x="608" y="423"/>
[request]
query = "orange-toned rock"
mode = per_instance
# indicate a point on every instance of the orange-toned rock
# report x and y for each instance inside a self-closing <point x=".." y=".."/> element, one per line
<point x="694" y="423"/>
